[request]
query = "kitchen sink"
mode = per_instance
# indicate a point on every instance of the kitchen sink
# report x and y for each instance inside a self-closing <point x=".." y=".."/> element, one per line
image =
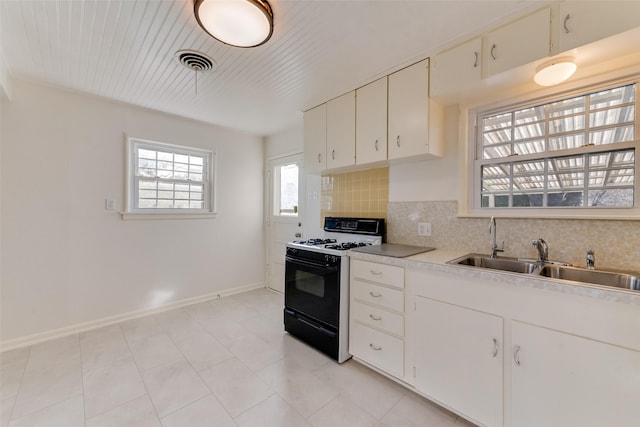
<point x="512" y="265"/>
<point x="597" y="277"/>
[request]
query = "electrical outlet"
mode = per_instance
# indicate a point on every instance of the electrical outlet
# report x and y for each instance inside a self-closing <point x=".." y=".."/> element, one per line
<point x="424" y="229"/>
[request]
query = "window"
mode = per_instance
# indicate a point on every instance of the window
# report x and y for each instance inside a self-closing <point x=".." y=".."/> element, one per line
<point x="286" y="190"/>
<point x="164" y="178"/>
<point x="576" y="152"/>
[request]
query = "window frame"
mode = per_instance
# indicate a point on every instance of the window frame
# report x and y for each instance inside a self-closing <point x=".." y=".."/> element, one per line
<point x="277" y="193"/>
<point x="475" y="161"/>
<point x="131" y="211"/>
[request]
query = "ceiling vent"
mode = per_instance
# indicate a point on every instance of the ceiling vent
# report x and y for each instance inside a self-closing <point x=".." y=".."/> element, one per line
<point x="195" y="61"/>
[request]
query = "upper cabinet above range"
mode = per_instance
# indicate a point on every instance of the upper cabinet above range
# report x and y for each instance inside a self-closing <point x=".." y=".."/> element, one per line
<point x="315" y="139"/>
<point x="341" y="131"/>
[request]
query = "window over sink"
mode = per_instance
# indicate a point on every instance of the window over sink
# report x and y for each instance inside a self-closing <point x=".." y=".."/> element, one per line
<point x="165" y="180"/>
<point x="573" y="151"/>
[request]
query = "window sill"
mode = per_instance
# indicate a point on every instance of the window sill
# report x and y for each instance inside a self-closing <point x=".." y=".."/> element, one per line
<point x="129" y="216"/>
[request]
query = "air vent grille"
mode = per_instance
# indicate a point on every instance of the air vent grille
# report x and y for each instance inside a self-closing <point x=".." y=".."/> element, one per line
<point x="196" y="61"/>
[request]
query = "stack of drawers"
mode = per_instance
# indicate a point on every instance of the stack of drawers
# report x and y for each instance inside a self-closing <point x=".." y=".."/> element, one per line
<point x="376" y="331"/>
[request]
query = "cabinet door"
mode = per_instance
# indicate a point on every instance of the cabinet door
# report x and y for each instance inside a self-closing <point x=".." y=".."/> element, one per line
<point x="315" y="139"/>
<point x="560" y="379"/>
<point x="458" y="358"/>
<point x="521" y="42"/>
<point x="371" y="122"/>
<point x="341" y="131"/>
<point x="409" y="111"/>
<point x="583" y="22"/>
<point x="457" y="70"/>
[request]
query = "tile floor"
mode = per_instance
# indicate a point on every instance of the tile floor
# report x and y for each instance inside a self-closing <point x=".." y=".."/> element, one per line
<point x="219" y="363"/>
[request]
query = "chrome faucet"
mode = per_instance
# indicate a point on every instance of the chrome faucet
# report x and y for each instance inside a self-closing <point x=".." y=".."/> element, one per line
<point x="494" y="244"/>
<point x="591" y="259"/>
<point x="543" y="249"/>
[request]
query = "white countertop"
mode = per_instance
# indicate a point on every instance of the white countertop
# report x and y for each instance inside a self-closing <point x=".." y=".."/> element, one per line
<point x="436" y="260"/>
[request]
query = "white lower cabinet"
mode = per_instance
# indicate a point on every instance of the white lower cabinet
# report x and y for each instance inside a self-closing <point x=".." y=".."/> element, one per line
<point x="559" y="379"/>
<point x="458" y="356"/>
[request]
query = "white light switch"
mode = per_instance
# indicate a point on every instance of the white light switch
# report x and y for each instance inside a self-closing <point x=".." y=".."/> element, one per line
<point x="424" y="229"/>
<point x="110" y="204"/>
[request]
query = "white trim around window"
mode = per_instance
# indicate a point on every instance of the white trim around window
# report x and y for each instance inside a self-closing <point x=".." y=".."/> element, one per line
<point x="168" y="181"/>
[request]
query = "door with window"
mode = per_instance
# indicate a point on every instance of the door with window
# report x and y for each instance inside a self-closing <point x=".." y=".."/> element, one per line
<point x="284" y="222"/>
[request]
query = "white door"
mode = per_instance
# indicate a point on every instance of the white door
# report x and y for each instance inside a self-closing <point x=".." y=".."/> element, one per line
<point x="284" y="219"/>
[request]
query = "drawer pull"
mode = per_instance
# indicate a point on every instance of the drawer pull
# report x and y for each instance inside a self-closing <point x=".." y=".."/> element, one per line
<point x="375" y="295"/>
<point x="516" y="355"/>
<point x="375" y="273"/>
<point x="375" y="347"/>
<point x="375" y="317"/>
<point x="495" y="348"/>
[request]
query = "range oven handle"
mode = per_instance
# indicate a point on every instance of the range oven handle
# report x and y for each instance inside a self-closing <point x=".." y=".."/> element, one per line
<point x="312" y="325"/>
<point x="318" y="265"/>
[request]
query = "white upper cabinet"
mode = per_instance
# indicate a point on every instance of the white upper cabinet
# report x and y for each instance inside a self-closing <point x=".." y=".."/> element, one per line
<point x="341" y="131"/>
<point x="415" y="123"/>
<point x="560" y="379"/>
<point x="315" y="139"/>
<point x="583" y="22"/>
<point x="518" y="43"/>
<point x="457" y="70"/>
<point x="371" y="122"/>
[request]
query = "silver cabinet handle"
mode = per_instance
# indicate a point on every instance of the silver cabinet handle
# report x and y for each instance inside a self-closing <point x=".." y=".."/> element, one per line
<point x="376" y="273"/>
<point x="492" y="49"/>
<point x="495" y="348"/>
<point x="564" y="24"/>
<point x="376" y="318"/>
<point x="376" y="145"/>
<point x="333" y="154"/>
<point x="319" y="158"/>
<point x="398" y="140"/>
<point x="516" y="355"/>
<point x="375" y="295"/>
<point x="375" y="347"/>
<point x="475" y="62"/>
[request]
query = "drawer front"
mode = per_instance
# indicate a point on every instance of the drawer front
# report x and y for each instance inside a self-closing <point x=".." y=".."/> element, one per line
<point x="377" y="348"/>
<point x="378" y="295"/>
<point x="379" y="318"/>
<point x="381" y="273"/>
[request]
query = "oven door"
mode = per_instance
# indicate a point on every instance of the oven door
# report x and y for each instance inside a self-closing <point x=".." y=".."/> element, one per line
<point x="313" y="288"/>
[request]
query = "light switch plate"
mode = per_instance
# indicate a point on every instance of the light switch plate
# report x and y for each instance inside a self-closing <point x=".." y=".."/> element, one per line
<point x="110" y="204"/>
<point x="424" y="229"/>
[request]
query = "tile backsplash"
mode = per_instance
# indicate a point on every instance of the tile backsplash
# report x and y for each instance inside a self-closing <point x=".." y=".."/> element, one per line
<point x="359" y="194"/>
<point x="615" y="242"/>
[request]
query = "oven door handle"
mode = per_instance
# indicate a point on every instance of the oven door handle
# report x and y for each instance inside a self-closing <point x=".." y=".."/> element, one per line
<point x="317" y="327"/>
<point x="319" y="266"/>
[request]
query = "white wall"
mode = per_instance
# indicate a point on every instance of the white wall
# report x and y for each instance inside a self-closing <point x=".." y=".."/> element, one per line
<point x="66" y="260"/>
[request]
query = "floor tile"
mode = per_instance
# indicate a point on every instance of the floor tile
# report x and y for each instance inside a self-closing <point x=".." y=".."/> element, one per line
<point x="45" y="387"/>
<point x="111" y="386"/>
<point x="143" y="327"/>
<point x="138" y="412"/>
<point x="203" y="351"/>
<point x="50" y="353"/>
<point x="178" y="324"/>
<point x="273" y="412"/>
<point x="10" y="378"/>
<point x="103" y="347"/>
<point x="303" y="391"/>
<point x="15" y="358"/>
<point x="341" y="412"/>
<point x="200" y="312"/>
<point x="173" y="386"/>
<point x="256" y="353"/>
<point x="154" y="350"/>
<point x="205" y="412"/>
<point x="68" y="413"/>
<point x="236" y="386"/>
<point x="224" y="330"/>
<point x="6" y="407"/>
<point x="303" y="354"/>
<point x="265" y="327"/>
<point x="413" y="411"/>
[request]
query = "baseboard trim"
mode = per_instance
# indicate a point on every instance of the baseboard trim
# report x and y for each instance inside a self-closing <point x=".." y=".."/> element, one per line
<point x="106" y="321"/>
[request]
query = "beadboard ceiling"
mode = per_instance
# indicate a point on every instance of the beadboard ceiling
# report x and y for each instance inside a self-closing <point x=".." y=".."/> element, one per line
<point x="125" y="50"/>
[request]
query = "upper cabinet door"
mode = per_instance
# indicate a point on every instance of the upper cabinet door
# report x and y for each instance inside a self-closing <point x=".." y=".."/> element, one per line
<point x="341" y="131"/>
<point x="457" y="70"/>
<point x="315" y="139"/>
<point x="520" y="42"/>
<point x="371" y="122"/>
<point x="583" y="22"/>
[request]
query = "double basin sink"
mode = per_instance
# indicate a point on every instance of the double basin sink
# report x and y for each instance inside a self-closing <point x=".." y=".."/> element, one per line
<point x="615" y="279"/>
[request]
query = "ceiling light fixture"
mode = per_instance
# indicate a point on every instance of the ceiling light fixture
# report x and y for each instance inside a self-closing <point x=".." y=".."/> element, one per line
<point x="241" y="23"/>
<point x="555" y="71"/>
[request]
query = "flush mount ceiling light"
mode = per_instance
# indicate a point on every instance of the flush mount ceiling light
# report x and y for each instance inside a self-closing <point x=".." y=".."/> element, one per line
<point x="555" y="71"/>
<point x="241" y="23"/>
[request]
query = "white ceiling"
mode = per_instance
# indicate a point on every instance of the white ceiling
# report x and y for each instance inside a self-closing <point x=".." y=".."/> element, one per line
<point x="125" y="50"/>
